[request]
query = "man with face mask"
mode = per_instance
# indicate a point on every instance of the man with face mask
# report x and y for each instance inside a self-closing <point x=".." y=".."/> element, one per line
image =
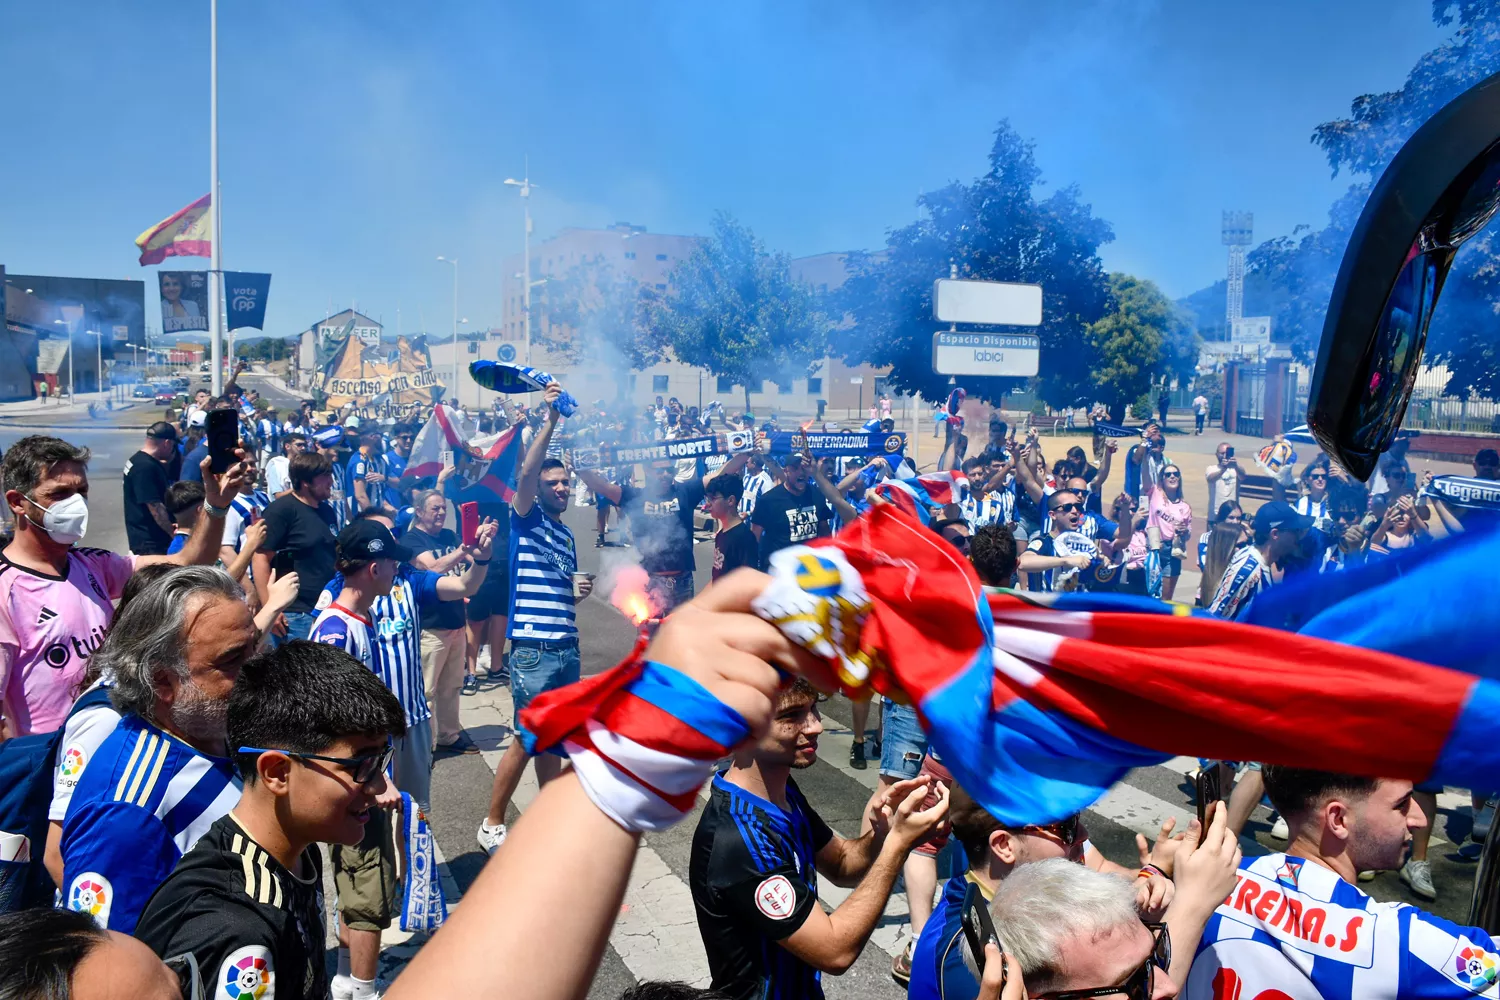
<point x="56" y="600"/>
<point x="163" y="776"/>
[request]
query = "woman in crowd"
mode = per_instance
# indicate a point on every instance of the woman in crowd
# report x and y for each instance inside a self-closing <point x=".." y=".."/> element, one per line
<point x="1130" y="545"/>
<point x="1400" y="528"/>
<point x="1222" y="540"/>
<point x="1171" y="515"/>
<point x="1228" y="512"/>
<point x="1314" y="501"/>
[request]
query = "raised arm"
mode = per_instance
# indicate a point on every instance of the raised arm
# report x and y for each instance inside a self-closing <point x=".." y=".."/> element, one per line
<point x="1105" y="465"/>
<point x="610" y="491"/>
<point x="531" y="468"/>
<point x="467" y="583"/>
<point x="202" y="547"/>
<point x="733" y="467"/>
<point x="841" y="506"/>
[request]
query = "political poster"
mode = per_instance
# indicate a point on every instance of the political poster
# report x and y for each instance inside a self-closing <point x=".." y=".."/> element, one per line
<point x="184" y="300"/>
<point x="245" y="298"/>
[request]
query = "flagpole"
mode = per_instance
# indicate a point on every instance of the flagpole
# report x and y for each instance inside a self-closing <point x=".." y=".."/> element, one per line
<point x="215" y="290"/>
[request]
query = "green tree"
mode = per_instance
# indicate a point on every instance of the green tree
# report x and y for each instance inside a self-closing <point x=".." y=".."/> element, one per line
<point x="1302" y="267"/>
<point x="1143" y="338"/>
<point x="598" y="317"/>
<point x="994" y="229"/>
<point x="735" y="310"/>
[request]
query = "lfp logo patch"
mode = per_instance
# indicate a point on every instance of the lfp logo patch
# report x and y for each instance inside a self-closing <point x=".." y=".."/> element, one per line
<point x="91" y="893"/>
<point x="73" y="761"/>
<point x="1476" y="968"/>
<point x="246" y="975"/>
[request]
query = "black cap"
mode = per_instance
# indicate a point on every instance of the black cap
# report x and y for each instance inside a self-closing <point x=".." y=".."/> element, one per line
<point x="369" y="539"/>
<point x="162" y="431"/>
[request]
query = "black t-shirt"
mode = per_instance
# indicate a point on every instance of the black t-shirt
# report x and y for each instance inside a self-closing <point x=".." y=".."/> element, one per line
<point x="663" y="526"/>
<point x="249" y="922"/>
<point x="785" y="519"/>
<point x="449" y="614"/>
<point x="752" y="894"/>
<point x="145" y="483"/>
<point x="303" y="539"/>
<point x="734" y="548"/>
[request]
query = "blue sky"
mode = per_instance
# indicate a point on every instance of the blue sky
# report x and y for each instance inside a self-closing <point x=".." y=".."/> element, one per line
<point x="360" y="140"/>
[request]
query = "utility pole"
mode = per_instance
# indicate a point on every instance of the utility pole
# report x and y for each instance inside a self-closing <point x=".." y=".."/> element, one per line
<point x="525" y="185"/>
<point x="215" y="289"/>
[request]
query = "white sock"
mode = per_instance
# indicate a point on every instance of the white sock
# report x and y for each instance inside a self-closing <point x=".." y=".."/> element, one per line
<point x="344" y="968"/>
<point x="364" y="989"/>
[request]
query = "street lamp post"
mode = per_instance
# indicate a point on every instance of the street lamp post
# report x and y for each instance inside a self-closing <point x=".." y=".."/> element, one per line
<point x="98" y="359"/>
<point x="454" y="262"/>
<point x="525" y="185"/>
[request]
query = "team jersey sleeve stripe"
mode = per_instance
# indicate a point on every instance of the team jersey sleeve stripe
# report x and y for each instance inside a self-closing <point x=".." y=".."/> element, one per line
<point x="153" y="743"/>
<point x="149" y="785"/>
<point x="135" y="755"/>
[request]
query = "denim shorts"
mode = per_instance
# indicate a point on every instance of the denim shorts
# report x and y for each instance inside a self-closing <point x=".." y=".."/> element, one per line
<point x="536" y="668"/>
<point x="903" y="744"/>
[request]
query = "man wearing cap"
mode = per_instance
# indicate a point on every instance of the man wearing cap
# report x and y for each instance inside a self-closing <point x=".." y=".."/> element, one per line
<point x="194" y="448"/>
<point x="148" y="526"/>
<point x="1278" y="531"/>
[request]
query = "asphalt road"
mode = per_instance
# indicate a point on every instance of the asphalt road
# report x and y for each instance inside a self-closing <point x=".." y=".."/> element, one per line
<point x="656" y="936"/>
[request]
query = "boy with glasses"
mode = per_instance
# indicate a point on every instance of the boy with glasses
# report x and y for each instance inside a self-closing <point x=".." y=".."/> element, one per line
<point x="310" y="731"/>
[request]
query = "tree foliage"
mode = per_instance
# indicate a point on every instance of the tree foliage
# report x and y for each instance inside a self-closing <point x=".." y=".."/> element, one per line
<point x="1303" y="267"/>
<point x="734" y="309"/>
<point x="596" y="317"/>
<point x="996" y="229"/>
<point x="1142" y="338"/>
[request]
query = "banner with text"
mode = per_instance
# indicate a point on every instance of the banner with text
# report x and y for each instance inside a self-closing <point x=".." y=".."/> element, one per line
<point x="245" y="296"/>
<point x="184" y="300"/>
<point x="654" y="451"/>
<point x="837" y="442"/>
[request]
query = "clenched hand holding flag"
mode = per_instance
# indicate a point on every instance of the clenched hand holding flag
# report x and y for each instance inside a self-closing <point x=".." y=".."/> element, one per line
<point x="1039" y="707"/>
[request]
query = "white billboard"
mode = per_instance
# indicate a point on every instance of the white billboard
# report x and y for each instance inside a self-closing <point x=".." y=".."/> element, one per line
<point x="1251" y="330"/>
<point x="987" y="303"/>
<point x="1004" y="354"/>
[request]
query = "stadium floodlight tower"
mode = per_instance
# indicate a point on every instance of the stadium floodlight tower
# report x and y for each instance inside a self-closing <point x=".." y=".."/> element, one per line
<point x="1236" y="230"/>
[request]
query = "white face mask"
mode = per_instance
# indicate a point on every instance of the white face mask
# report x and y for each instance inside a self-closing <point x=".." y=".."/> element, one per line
<point x="66" y="521"/>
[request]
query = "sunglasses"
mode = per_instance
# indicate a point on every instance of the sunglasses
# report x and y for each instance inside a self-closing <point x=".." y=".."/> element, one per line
<point x="1318" y="476"/>
<point x="362" y="768"/>
<point x="1065" y="830"/>
<point x="1064" y="508"/>
<point x="1142" y="981"/>
<point x="1172" y="474"/>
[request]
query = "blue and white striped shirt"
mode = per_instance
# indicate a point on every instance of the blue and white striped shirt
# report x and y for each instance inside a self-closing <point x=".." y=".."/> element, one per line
<point x="141" y="804"/>
<point x="396" y="635"/>
<point x="241" y="509"/>
<point x="755" y="485"/>
<point x="543" y="560"/>
<point x="995" y="507"/>
<point x="1246" y="576"/>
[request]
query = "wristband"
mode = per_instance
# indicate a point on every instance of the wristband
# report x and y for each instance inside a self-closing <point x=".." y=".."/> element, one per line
<point x="215" y="512"/>
<point x="643" y="738"/>
<point x="482" y="562"/>
<point x="1147" y="870"/>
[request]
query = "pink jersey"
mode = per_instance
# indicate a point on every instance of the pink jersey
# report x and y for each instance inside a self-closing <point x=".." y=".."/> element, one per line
<point x="49" y="627"/>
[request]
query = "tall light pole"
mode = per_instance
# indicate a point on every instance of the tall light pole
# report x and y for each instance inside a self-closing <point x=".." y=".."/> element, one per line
<point x="454" y="262"/>
<point x="215" y="293"/>
<point x="98" y="359"/>
<point x="525" y="185"/>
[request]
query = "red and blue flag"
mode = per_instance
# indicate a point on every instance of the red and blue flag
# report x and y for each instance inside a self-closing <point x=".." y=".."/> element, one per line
<point x="917" y="495"/>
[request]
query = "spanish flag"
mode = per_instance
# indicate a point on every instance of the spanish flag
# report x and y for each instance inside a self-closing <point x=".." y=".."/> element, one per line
<point x="185" y="234"/>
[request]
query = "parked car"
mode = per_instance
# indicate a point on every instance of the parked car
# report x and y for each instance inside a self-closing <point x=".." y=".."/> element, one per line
<point x="143" y="390"/>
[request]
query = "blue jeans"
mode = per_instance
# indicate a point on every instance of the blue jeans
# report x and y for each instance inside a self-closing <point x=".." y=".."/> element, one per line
<point x="298" y="625"/>
<point x="535" y="668"/>
<point x="902" y="743"/>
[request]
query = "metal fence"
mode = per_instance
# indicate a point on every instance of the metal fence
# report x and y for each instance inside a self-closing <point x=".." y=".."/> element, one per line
<point x="1431" y="410"/>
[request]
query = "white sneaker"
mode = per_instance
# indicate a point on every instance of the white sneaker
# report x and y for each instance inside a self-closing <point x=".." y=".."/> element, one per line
<point x="490" y="837"/>
<point x="1483" y="820"/>
<point x="1279" y="829"/>
<point x="1418" y="876"/>
<point x="342" y="988"/>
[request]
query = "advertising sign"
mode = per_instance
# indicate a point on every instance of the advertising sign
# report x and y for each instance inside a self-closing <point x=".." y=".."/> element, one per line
<point x="184" y="300"/>
<point x="1003" y="354"/>
<point x="245" y="296"/>
<point x="1251" y="330"/>
<point x="987" y="303"/>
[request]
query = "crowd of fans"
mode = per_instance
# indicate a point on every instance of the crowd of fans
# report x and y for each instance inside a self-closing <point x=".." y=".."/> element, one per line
<point x="282" y="655"/>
